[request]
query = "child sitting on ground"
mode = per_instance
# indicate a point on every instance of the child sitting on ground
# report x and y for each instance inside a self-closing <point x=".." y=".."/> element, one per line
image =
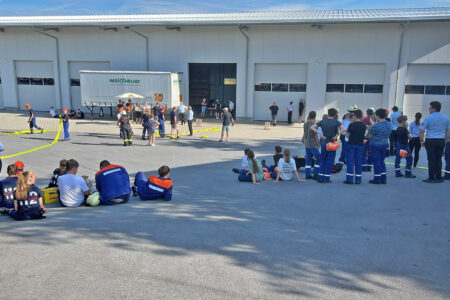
<point x="402" y="138"/>
<point x="155" y="187"/>
<point x="28" y="203"/>
<point x="286" y="167"/>
<point x="276" y="157"/>
<point x="8" y="187"/>
<point x="244" y="164"/>
<point x="255" y="172"/>
<point x="58" y="172"/>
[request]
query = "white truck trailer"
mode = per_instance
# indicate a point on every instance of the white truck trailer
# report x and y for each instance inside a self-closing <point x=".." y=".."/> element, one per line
<point x="101" y="88"/>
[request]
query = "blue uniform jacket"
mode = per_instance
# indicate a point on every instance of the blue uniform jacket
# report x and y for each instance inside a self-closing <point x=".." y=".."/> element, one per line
<point x="156" y="188"/>
<point x="112" y="182"/>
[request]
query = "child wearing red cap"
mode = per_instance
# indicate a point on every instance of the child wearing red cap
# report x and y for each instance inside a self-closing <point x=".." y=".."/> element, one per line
<point x="65" y="119"/>
<point x="20" y="166"/>
<point x="32" y="120"/>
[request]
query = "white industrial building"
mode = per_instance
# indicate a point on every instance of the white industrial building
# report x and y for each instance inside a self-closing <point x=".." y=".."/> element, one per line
<point x="332" y="58"/>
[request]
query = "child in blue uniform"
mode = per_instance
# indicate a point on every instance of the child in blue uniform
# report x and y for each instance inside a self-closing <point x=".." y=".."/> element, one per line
<point x="402" y="137"/>
<point x="146" y="124"/>
<point x="379" y="135"/>
<point x="276" y="158"/>
<point x="155" y="187"/>
<point x="330" y="129"/>
<point x="28" y="203"/>
<point x="414" y="142"/>
<point x="312" y="145"/>
<point x="113" y="184"/>
<point x="355" y="148"/>
<point x="32" y="120"/>
<point x="58" y="172"/>
<point x="8" y="187"/>
<point x="244" y="163"/>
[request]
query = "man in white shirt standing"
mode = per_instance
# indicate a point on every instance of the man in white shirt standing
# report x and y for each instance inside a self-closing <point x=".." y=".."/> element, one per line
<point x="190" y="119"/>
<point x="231" y="107"/>
<point x="73" y="189"/>
<point x="181" y="112"/>
<point x="290" y="109"/>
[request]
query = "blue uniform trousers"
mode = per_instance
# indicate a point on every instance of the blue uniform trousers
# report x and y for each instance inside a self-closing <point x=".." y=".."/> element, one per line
<point x="326" y="163"/>
<point x="409" y="159"/>
<point x="378" y="153"/>
<point x="162" y="128"/>
<point x="66" y="131"/>
<point x="310" y="152"/>
<point x="355" y="156"/>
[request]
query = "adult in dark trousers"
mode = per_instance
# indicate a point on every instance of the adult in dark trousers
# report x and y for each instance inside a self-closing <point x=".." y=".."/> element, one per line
<point x="65" y="119"/>
<point x="274" y="112"/>
<point x="161" y="118"/>
<point x="394" y="123"/>
<point x="125" y="129"/>
<point x="437" y="128"/>
<point x="32" y="120"/>
<point x="182" y="112"/>
<point x="330" y="129"/>
<point x="447" y="160"/>
<point x="174" y="123"/>
<point x="379" y="134"/>
<point x="414" y="142"/>
<point x="190" y="119"/>
<point x="301" y="108"/>
<point x="146" y="124"/>
<point x="290" y="109"/>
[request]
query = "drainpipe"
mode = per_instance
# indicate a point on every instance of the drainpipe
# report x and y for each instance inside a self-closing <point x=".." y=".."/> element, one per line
<point x="57" y="61"/>
<point x="146" y="45"/>
<point x="241" y="29"/>
<point x="399" y="58"/>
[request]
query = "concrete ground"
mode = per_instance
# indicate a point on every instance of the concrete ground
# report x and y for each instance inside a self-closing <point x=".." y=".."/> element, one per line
<point x="218" y="238"/>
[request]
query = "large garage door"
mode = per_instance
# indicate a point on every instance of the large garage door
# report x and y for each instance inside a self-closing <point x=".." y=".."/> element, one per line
<point x="360" y="84"/>
<point x="280" y="83"/>
<point x="74" y="72"/>
<point x="426" y="83"/>
<point x="35" y="84"/>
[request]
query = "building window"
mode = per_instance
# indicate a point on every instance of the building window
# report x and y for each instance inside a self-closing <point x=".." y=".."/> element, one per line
<point x="49" y="81"/>
<point x="0" y="80"/>
<point x="280" y="87"/>
<point x="259" y="87"/>
<point x="36" y="81"/>
<point x="297" y="87"/>
<point x="373" y="89"/>
<point x="75" y="82"/>
<point x="23" y="80"/>
<point x="435" y="90"/>
<point x="353" y="88"/>
<point x="414" y="89"/>
<point x="448" y="90"/>
<point x="335" y="88"/>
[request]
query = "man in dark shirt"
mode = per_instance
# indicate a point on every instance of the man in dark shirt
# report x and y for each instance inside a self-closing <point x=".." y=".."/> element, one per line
<point x="227" y="121"/>
<point x="330" y="129"/>
<point x="355" y="148"/>
<point x="174" y="123"/>
<point x="274" y="112"/>
<point x="402" y="138"/>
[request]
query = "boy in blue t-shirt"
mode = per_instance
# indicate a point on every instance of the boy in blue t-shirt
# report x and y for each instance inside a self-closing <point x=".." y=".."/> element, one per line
<point x="155" y="187"/>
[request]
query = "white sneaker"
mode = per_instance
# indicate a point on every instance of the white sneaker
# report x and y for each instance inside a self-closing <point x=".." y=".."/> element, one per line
<point x="153" y="145"/>
<point x="226" y="140"/>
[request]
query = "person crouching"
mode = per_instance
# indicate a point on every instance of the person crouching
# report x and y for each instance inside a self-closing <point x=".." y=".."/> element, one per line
<point x="113" y="184"/>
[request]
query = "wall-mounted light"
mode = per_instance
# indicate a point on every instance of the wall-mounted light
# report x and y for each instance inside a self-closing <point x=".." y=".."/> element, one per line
<point x="177" y="28"/>
<point x="110" y="28"/>
<point x="316" y="26"/>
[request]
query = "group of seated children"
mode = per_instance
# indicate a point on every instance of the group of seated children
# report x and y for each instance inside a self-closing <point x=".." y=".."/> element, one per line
<point x="22" y="200"/>
<point x="255" y="171"/>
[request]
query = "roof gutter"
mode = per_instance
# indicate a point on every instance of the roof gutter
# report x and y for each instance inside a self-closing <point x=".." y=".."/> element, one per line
<point x="241" y="29"/>
<point x="57" y="62"/>
<point x="147" y="47"/>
